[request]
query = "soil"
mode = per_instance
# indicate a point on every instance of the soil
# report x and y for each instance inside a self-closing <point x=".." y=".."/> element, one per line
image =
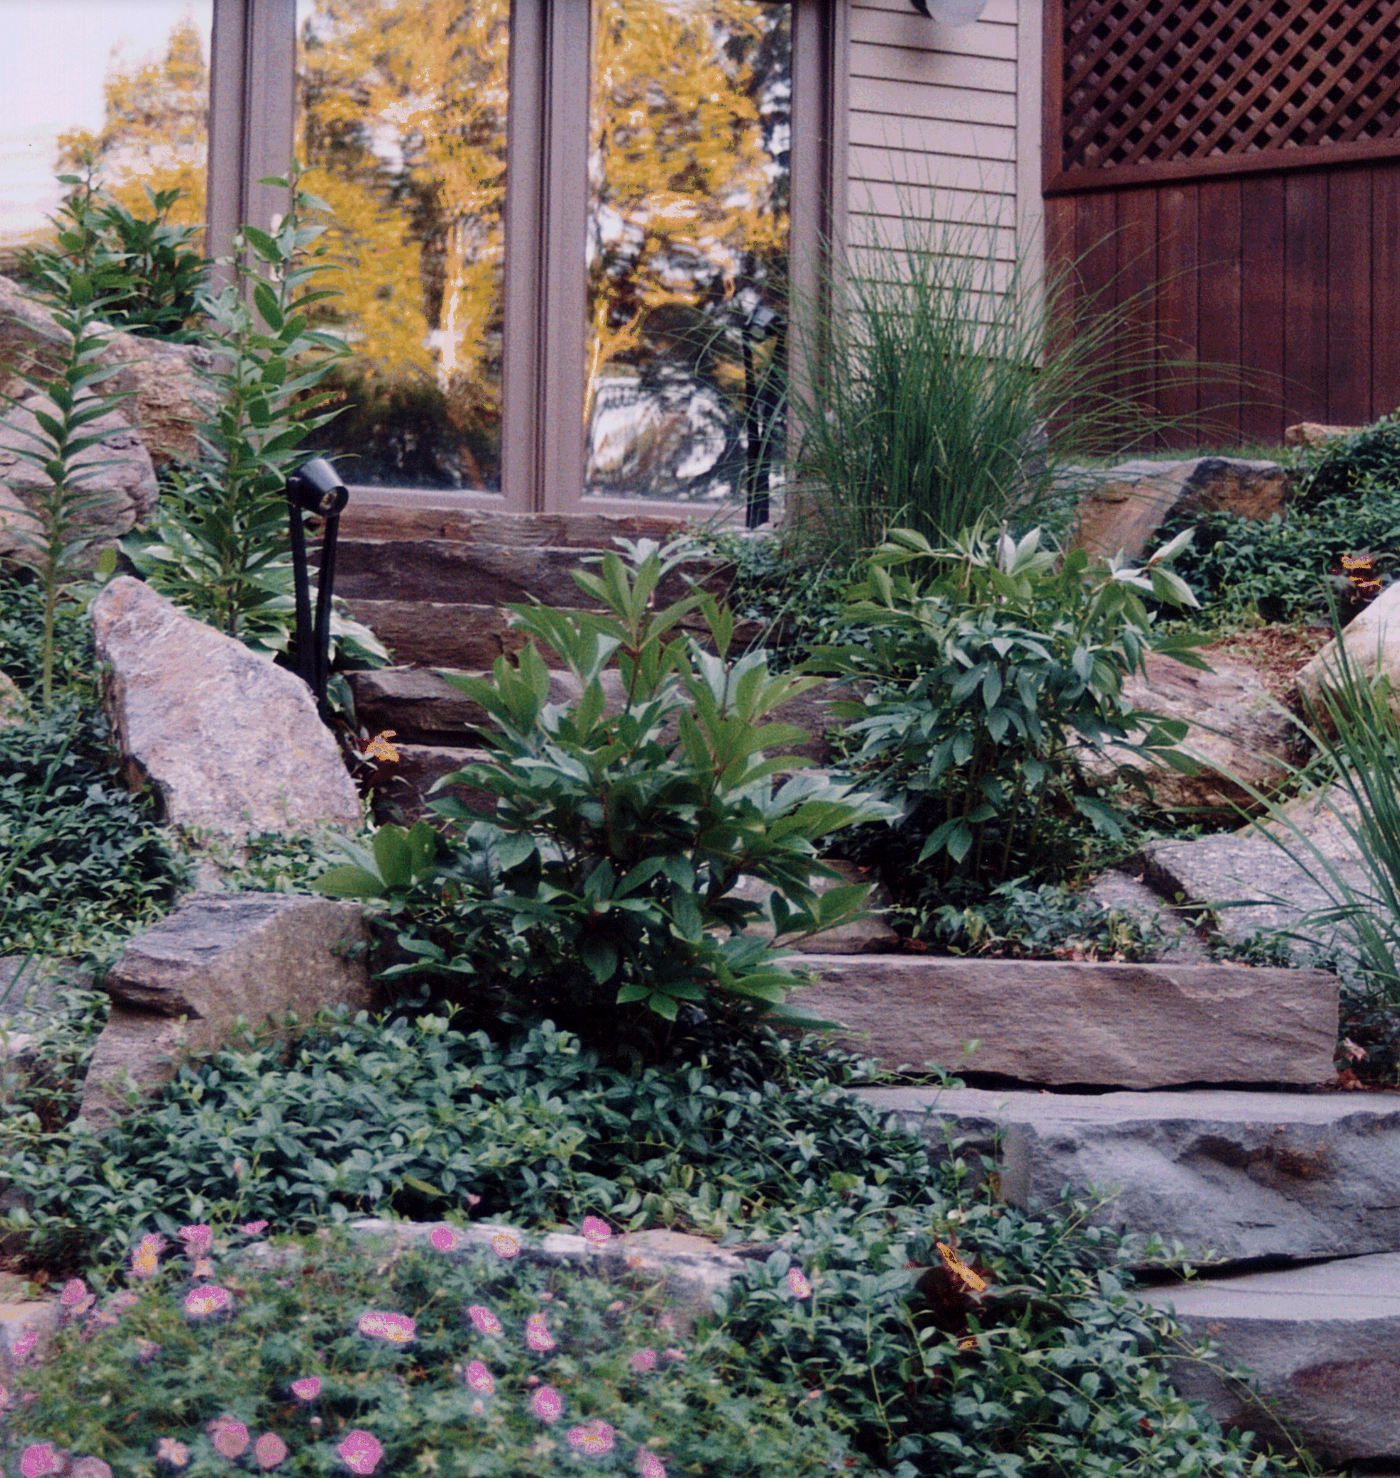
<point x="1276" y="653"/>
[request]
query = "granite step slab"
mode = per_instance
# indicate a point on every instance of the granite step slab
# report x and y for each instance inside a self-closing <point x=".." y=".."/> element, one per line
<point x="1236" y="1175"/>
<point x="1322" y="1344"/>
<point x="1070" y="1023"/>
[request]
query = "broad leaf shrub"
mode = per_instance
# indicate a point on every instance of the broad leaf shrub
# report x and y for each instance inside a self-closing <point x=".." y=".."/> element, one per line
<point x="990" y="669"/>
<point x="1055" y="1370"/>
<point x="570" y="1373"/>
<point x="600" y="888"/>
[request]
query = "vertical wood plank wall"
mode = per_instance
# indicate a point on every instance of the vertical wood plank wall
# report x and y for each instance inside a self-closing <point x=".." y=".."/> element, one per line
<point x="1283" y="288"/>
<point x="933" y="123"/>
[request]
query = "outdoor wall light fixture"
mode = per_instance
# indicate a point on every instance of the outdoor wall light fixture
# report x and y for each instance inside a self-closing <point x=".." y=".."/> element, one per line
<point x="315" y="487"/>
<point x="951" y="12"/>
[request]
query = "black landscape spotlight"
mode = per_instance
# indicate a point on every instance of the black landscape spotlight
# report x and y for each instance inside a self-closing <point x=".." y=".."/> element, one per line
<point x="315" y="487"/>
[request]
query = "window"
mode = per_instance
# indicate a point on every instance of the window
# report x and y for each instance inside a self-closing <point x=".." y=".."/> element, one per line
<point x="570" y="228"/>
<point x="127" y="80"/>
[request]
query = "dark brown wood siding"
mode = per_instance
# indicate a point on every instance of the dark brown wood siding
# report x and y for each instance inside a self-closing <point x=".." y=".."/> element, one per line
<point x="1229" y="179"/>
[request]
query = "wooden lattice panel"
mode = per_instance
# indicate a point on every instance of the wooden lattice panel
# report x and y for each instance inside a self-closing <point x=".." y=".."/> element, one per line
<point x="1151" y="84"/>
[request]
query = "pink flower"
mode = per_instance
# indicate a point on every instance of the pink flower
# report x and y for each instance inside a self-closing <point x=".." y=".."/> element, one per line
<point x="360" y="1452"/>
<point x="198" y="1239"/>
<point x="145" y="1260"/>
<point x="444" y="1239"/>
<point x="207" y="1299"/>
<point x="798" y="1283"/>
<point x="537" y="1335"/>
<point x="480" y="1379"/>
<point x="230" y="1438"/>
<point x="174" y="1454"/>
<point x="146" y="1351"/>
<point x="252" y="1228"/>
<point x="649" y="1465"/>
<point x="396" y="1329"/>
<point x="39" y="1459"/>
<point x="547" y="1404"/>
<point x="594" y="1438"/>
<point x="643" y="1360"/>
<point x="24" y="1346"/>
<point x="268" y="1451"/>
<point x="485" y="1321"/>
<point x="675" y="1354"/>
<point x="203" y="1268"/>
<point x="596" y="1230"/>
<point x="307" y="1388"/>
<point x="473" y="1200"/>
<point x="74" y="1292"/>
<point x="90" y="1467"/>
<point x="121" y="1302"/>
<point x="505" y="1243"/>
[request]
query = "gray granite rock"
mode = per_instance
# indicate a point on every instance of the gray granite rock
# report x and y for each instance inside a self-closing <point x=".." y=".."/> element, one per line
<point x="184" y="985"/>
<point x="1250" y="884"/>
<point x="14" y="706"/>
<point x="231" y="744"/>
<point x="1177" y="943"/>
<point x="1077" y="1022"/>
<point x="1235" y="1175"/>
<point x="869" y="935"/>
<point x="20" y="1321"/>
<point x="1322" y="1344"/>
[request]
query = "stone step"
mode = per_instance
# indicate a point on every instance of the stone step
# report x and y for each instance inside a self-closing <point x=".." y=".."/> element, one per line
<point x="422" y="708"/>
<point x="1067" y="1023"/>
<point x="385" y="513"/>
<point x="1322" y="1344"/>
<point x="1236" y="1175"/>
<point x="438" y="633"/>
<point x="402" y="790"/>
<point x="481" y="574"/>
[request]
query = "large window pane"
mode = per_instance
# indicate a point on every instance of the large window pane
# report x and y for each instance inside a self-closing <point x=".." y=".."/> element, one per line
<point x="126" y="79"/>
<point x="687" y="245"/>
<point x="403" y="123"/>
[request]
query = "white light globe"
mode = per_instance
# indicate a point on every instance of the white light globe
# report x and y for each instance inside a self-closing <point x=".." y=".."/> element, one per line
<point x="952" y="13"/>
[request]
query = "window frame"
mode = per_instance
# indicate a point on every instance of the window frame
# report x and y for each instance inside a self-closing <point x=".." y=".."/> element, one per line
<point x="251" y="128"/>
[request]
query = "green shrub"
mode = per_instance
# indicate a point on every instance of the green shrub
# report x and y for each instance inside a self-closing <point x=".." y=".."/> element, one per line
<point x="82" y="862"/>
<point x="1059" y="1371"/>
<point x="1370" y="455"/>
<point x="989" y="669"/>
<point x="624" y="820"/>
<point x="116" y="1391"/>
<point x="148" y="271"/>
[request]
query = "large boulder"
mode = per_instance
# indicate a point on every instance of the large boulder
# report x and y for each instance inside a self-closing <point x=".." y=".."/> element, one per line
<point x="118" y="482"/>
<point x="1372" y="643"/>
<point x="167" y="389"/>
<point x="218" y="957"/>
<point x="231" y="744"/>
<point x="1240" y="736"/>
<point x="1126" y="505"/>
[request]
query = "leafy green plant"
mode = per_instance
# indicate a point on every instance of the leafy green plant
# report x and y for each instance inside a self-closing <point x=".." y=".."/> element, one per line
<point x="219" y="545"/>
<point x="66" y="407"/>
<point x="147" y="270"/>
<point x="454" y="1398"/>
<point x="990" y="668"/>
<point x="937" y="370"/>
<point x="759" y="1141"/>
<point x="625" y="817"/>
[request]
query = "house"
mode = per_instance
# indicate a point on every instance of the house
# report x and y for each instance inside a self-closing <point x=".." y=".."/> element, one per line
<point x="571" y="234"/>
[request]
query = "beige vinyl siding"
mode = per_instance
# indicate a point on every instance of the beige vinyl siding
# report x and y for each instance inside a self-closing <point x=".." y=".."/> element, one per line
<point x="940" y="123"/>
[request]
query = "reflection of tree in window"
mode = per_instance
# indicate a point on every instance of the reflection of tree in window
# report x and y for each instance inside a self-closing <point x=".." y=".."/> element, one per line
<point x="688" y="229"/>
<point x="403" y="123"/>
<point x="155" y="129"/>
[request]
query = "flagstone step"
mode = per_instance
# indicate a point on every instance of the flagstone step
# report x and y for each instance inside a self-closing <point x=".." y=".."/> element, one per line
<point x="423" y="708"/>
<point x="386" y="513"/>
<point x="1228" y="1174"/>
<point x="1322" y="1343"/>
<point x="1081" y="1023"/>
